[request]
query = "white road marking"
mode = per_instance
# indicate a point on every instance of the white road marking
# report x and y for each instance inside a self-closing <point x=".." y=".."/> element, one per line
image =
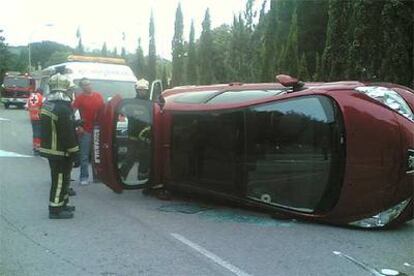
<point x="4" y="153"/>
<point x="237" y="271"/>
<point x="359" y="263"/>
<point x="4" y="119"/>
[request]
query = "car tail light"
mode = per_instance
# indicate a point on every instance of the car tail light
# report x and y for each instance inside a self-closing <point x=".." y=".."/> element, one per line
<point x="388" y="97"/>
<point x="383" y="218"/>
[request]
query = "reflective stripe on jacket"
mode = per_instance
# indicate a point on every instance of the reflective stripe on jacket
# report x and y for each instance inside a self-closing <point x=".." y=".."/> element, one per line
<point x="58" y="136"/>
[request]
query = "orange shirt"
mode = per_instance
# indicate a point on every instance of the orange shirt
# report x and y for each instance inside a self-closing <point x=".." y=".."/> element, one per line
<point x="88" y="105"/>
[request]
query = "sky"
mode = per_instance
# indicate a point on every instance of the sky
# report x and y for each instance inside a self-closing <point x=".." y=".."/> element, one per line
<point x="105" y="21"/>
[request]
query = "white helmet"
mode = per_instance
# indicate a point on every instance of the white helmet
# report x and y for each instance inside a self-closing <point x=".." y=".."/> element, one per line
<point x="142" y="84"/>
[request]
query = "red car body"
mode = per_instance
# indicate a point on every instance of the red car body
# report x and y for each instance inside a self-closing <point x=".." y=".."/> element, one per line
<point x="324" y="152"/>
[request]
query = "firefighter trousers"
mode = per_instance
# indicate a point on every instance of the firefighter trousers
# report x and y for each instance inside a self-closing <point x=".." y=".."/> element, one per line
<point x="60" y="173"/>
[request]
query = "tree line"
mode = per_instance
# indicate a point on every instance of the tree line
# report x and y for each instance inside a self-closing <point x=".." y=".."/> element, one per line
<point x="314" y="40"/>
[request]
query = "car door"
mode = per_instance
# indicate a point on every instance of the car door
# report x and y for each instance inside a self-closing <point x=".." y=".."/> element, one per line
<point x="123" y="144"/>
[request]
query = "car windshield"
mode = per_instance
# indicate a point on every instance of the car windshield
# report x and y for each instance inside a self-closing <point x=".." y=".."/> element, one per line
<point x="110" y="88"/>
<point x="230" y="97"/>
<point x="288" y="152"/>
<point x="16" y="82"/>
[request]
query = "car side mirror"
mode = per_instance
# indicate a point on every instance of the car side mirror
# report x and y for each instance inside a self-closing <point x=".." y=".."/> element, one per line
<point x="156" y="90"/>
<point x="288" y="81"/>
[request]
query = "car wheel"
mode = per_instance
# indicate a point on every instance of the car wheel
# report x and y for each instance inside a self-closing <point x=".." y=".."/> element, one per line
<point x="6" y="106"/>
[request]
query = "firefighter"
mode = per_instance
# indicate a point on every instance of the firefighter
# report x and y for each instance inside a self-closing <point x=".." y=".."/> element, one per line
<point x="139" y="147"/>
<point x="138" y="139"/>
<point x="59" y="144"/>
<point x="34" y="105"/>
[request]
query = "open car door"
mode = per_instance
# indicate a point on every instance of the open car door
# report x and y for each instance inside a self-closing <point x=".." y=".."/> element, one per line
<point x="122" y="142"/>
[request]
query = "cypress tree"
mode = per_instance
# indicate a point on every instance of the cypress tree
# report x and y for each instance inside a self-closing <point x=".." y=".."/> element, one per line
<point x="317" y="73"/>
<point x="192" y="58"/>
<point x="289" y="59"/>
<point x="270" y="40"/>
<point x="123" y="51"/>
<point x="257" y="44"/>
<point x="140" y="62"/>
<point x="303" y="71"/>
<point x="206" y="52"/>
<point x="152" y="54"/>
<point x="397" y="26"/>
<point x="164" y="79"/>
<point x="312" y="25"/>
<point x="79" y="48"/>
<point x="334" y="58"/>
<point x="221" y="37"/>
<point x="104" y="51"/>
<point x="365" y="55"/>
<point x="178" y="50"/>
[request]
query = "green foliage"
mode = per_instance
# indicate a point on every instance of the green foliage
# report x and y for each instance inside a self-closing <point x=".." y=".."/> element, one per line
<point x="320" y="40"/>
<point x="397" y="57"/>
<point x="4" y="56"/>
<point x="303" y="72"/>
<point x="270" y="42"/>
<point x="289" y="59"/>
<point x="312" y="24"/>
<point x="364" y="58"/>
<point x="334" y="59"/>
<point x="178" y="51"/>
<point x="58" y="57"/>
<point x="221" y="37"/>
<point x="138" y="65"/>
<point x="164" y="78"/>
<point x="41" y="52"/>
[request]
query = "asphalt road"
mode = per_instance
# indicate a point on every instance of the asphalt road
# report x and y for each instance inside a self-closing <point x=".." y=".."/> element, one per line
<point x="131" y="234"/>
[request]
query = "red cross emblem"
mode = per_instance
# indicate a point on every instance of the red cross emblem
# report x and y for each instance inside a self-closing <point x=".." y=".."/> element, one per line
<point x="34" y="99"/>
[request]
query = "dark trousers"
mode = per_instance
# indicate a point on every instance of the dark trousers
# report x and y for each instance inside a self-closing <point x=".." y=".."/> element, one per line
<point x="36" y="134"/>
<point x="60" y="173"/>
<point x="136" y="152"/>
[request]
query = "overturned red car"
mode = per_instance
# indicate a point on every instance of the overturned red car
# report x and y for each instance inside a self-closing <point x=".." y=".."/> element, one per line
<point x="339" y="153"/>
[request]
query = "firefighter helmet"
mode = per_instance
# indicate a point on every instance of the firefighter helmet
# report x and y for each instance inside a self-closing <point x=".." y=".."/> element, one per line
<point x="142" y="84"/>
<point x="59" y="82"/>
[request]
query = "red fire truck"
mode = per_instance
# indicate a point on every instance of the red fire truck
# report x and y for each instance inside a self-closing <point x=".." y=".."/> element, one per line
<point x="16" y="89"/>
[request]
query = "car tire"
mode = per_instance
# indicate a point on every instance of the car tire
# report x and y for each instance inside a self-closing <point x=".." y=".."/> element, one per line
<point x="6" y="106"/>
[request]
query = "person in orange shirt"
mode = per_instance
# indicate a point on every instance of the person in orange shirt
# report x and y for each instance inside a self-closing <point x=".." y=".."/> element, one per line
<point x="34" y="104"/>
<point x="88" y="103"/>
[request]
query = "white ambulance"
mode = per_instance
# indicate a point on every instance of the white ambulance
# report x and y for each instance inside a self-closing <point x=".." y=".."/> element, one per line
<point x="108" y="76"/>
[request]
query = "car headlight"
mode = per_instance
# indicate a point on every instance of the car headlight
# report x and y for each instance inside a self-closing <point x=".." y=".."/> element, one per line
<point x="388" y="97"/>
<point x="383" y="218"/>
